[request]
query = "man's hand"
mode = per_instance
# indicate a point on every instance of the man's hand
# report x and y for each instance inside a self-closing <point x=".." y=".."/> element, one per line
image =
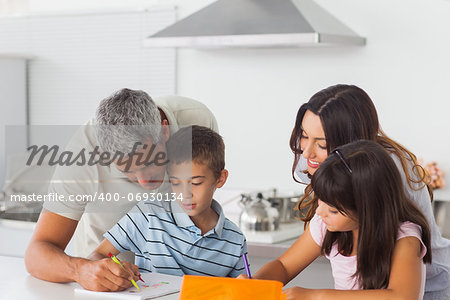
<point x="106" y="276"/>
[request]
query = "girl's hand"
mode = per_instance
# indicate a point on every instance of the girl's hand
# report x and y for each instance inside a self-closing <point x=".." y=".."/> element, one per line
<point x="242" y="276"/>
<point x="296" y="293"/>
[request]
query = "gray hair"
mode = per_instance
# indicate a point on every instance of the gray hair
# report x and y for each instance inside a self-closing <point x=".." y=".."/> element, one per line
<point x="125" y="118"/>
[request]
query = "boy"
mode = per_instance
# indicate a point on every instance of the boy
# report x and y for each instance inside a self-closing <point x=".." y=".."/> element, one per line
<point x="190" y="235"/>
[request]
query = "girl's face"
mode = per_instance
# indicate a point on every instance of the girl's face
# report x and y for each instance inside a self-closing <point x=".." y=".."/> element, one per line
<point x="334" y="220"/>
<point x="312" y="141"/>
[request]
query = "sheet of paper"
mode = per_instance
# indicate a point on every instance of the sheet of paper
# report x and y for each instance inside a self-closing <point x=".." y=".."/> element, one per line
<point x="155" y="285"/>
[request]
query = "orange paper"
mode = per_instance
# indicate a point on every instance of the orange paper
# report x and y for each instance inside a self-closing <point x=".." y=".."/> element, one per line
<point x="221" y="288"/>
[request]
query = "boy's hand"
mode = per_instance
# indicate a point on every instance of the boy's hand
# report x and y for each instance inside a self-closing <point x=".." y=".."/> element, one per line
<point x="105" y="275"/>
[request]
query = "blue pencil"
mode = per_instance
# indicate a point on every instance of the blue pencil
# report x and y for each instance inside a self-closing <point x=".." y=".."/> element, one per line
<point x="247" y="268"/>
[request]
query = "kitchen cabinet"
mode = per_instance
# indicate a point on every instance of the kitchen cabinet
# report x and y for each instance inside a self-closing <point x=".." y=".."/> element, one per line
<point x="441" y="208"/>
<point x="13" y="104"/>
<point x="16" y="235"/>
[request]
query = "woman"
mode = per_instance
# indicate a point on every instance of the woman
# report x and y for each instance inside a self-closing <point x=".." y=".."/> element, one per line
<point x="339" y="115"/>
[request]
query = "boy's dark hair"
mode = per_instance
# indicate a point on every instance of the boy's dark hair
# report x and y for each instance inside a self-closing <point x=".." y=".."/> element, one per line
<point x="197" y="144"/>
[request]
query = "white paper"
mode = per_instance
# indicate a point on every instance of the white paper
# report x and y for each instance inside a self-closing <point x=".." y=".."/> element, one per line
<point x="155" y="285"/>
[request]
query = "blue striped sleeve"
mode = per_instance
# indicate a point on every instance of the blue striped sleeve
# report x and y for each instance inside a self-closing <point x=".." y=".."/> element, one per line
<point x="239" y="268"/>
<point x="127" y="234"/>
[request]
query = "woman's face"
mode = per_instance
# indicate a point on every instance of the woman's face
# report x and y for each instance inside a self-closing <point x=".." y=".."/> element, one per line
<point x="312" y="141"/>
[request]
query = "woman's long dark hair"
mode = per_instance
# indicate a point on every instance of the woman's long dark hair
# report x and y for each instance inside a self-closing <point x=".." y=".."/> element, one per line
<point x="372" y="193"/>
<point x="348" y="114"/>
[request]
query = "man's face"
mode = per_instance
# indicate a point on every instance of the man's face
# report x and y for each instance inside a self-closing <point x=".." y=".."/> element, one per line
<point x="142" y="167"/>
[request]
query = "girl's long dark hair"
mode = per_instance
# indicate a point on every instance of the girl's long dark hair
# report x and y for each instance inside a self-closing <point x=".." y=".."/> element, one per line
<point x="348" y="114"/>
<point x="374" y="195"/>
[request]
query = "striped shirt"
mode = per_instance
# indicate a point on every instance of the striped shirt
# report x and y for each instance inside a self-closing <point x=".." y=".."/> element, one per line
<point x="165" y="240"/>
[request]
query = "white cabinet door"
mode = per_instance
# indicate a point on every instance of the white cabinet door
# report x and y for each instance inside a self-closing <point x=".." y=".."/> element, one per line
<point x="15" y="236"/>
<point x="13" y="106"/>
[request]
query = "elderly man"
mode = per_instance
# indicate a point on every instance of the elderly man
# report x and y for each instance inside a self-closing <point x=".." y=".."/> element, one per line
<point x="129" y="132"/>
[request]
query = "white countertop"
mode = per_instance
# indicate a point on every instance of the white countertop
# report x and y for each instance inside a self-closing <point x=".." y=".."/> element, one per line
<point x="16" y="283"/>
<point x="15" y="56"/>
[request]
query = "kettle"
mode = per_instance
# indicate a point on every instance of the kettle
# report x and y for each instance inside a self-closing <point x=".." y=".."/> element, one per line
<point x="258" y="214"/>
<point x="286" y="204"/>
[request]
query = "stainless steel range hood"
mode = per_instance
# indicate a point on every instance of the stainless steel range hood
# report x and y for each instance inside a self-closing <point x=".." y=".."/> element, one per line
<point x="256" y="23"/>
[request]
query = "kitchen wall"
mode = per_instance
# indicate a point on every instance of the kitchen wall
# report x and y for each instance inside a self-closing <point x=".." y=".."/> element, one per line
<point x="255" y="93"/>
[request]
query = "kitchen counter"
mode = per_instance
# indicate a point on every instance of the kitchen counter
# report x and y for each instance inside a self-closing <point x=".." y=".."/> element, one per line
<point x="272" y="251"/>
<point x="317" y="275"/>
<point x="16" y="283"/>
<point x="15" y="56"/>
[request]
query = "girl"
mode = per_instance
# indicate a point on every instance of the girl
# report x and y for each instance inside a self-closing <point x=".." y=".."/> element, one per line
<point x="377" y="240"/>
<point x="341" y="114"/>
